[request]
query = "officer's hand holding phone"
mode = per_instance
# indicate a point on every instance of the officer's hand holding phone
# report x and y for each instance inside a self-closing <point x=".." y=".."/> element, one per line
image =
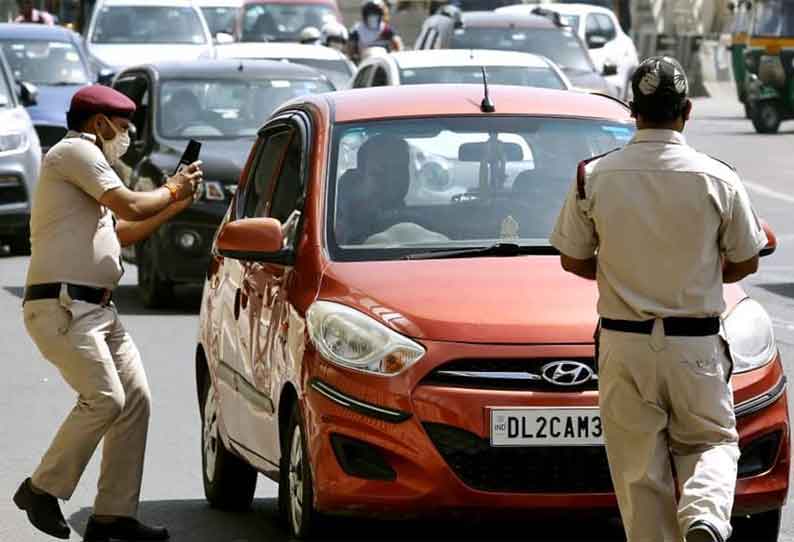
<point x="187" y="180"/>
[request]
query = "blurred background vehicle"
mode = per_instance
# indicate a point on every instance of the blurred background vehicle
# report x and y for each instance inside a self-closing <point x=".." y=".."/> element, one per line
<point x="458" y="66"/>
<point x="611" y="49"/>
<point x="221" y="16"/>
<point x="54" y="60"/>
<point x="20" y="161"/>
<point x="283" y="20"/>
<point x="474" y="5"/>
<point x="126" y="32"/>
<point x="546" y="36"/>
<point x="330" y="62"/>
<point x="220" y="103"/>
<point x="739" y="30"/>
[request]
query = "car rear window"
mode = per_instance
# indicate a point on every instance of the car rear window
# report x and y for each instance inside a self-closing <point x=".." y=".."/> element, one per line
<point x="283" y="22"/>
<point x="148" y="24"/>
<point x="45" y="62"/>
<point x="497" y="75"/>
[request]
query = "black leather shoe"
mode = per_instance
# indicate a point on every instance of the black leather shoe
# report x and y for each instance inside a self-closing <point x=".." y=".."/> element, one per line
<point x="701" y="531"/>
<point x="122" y="529"/>
<point x="43" y="511"/>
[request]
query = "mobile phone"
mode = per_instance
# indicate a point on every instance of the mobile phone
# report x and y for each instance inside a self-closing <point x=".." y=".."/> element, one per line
<point x="190" y="155"/>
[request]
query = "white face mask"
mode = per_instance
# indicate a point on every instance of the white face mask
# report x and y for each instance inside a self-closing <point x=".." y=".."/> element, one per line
<point x="373" y="22"/>
<point x="116" y="147"/>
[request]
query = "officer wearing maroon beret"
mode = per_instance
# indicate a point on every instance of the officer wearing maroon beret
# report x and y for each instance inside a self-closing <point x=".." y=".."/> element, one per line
<point x="82" y="214"/>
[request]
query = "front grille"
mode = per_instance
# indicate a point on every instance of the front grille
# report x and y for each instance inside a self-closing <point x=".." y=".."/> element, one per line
<point x="49" y="135"/>
<point x="525" y="374"/>
<point x="533" y="469"/>
<point x="12" y="190"/>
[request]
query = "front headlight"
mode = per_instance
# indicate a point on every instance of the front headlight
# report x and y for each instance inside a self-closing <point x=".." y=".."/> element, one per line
<point x="13" y="141"/>
<point x="355" y="341"/>
<point x="748" y="330"/>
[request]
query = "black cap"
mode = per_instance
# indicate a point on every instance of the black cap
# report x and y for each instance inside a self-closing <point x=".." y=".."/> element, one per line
<point x="660" y="88"/>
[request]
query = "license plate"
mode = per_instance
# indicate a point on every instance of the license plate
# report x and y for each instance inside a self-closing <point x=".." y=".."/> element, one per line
<point x="546" y="427"/>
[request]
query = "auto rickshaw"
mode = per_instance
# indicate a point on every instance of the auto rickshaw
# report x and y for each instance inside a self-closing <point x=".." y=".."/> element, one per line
<point x="742" y="10"/>
<point x="769" y="61"/>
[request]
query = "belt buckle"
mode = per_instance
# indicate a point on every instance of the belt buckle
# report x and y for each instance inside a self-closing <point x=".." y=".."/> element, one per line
<point x="107" y="295"/>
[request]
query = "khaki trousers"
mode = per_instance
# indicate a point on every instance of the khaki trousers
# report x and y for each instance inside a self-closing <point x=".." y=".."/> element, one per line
<point x="666" y="399"/>
<point x="98" y="359"/>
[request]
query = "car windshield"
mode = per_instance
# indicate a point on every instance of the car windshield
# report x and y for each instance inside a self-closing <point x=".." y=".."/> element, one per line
<point x="220" y="19"/>
<point x="148" y="24"/>
<point x="338" y="71"/>
<point x="774" y="19"/>
<point x="225" y="109"/>
<point x="45" y="62"/>
<point x="497" y="75"/>
<point x="283" y="22"/>
<point x="5" y="92"/>
<point x="560" y="45"/>
<point x="411" y="186"/>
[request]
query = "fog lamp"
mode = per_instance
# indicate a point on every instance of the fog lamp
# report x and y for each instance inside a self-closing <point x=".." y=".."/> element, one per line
<point x="189" y="240"/>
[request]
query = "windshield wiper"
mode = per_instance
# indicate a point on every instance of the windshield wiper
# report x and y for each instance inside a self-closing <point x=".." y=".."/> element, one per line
<point x="497" y="250"/>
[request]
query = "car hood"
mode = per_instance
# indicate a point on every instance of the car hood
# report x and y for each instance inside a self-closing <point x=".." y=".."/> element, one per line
<point x="520" y="300"/>
<point x="222" y="160"/>
<point x="52" y="104"/>
<point x="118" y="56"/>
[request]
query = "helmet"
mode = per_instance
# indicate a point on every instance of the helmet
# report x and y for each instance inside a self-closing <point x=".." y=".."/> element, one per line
<point x="309" y="35"/>
<point x="333" y="32"/>
<point x="372" y="7"/>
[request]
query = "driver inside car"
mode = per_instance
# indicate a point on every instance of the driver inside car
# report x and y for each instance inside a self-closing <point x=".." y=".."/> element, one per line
<point x="182" y="111"/>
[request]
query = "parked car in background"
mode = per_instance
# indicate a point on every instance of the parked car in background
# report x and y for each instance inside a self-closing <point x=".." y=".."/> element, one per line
<point x="126" y="32"/>
<point x="220" y="103"/>
<point x="20" y="162"/>
<point x="53" y="59"/>
<point x="328" y="61"/>
<point x="459" y="66"/>
<point x="600" y="30"/>
<point x="283" y="20"/>
<point x="451" y="29"/>
<point x="337" y="355"/>
<point x="474" y="5"/>
<point x="221" y="17"/>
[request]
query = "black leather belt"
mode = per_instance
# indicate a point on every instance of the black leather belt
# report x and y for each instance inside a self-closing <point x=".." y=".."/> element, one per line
<point x="52" y="290"/>
<point x="674" y="326"/>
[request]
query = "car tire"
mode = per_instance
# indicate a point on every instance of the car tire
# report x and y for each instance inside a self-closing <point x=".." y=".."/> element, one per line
<point x="766" y="117"/>
<point x="154" y="292"/>
<point x="19" y="245"/>
<point x="748" y="112"/>
<point x="762" y="527"/>
<point x="296" y="488"/>
<point x="229" y="482"/>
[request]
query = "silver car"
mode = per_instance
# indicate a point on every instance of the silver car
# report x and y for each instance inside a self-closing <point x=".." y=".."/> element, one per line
<point x="20" y="161"/>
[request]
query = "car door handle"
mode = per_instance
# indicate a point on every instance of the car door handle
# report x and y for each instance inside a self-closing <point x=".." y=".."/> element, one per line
<point x="237" y="304"/>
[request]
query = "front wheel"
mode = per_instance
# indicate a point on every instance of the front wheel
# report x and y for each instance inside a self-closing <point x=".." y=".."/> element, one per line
<point x="763" y="527"/>
<point x="766" y="117"/>
<point x="296" y="489"/>
<point x="154" y="291"/>
<point x="229" y="482"/>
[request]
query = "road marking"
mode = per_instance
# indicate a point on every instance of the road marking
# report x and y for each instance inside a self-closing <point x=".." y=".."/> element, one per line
<point x="764" y="191"/>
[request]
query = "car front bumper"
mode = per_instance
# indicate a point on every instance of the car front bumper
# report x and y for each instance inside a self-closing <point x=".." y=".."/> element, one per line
<point x="381" y="446"/>
<point x="18" y="176"/>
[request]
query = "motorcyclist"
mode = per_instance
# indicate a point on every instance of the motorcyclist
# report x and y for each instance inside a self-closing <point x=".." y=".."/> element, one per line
<point x="372" y="31"/>
<point x="334" y="35"/>
<point x="310" y="36"/>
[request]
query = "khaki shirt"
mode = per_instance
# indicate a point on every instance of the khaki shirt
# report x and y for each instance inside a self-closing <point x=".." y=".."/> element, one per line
<point x="73" y="237"/>
<point x="660" y="216"/>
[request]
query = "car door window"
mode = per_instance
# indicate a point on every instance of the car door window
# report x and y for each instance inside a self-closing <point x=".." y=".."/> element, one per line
<point x="591" y="27"/>
<point x="381" y="78"/>
<point x="607" y="26"/>
<point x="289" y="185"/>
<point x="267" y="165"/>
<point x="362" y="77"/>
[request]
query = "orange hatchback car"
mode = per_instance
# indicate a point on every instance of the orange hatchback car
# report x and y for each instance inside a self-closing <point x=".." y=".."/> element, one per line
<point x="385" y="328"/>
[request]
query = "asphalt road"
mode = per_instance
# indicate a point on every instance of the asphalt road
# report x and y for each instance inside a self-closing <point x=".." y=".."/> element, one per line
<point x="33" y="399"/>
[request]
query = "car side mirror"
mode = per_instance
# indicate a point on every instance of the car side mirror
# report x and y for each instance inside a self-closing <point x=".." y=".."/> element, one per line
<point x="771" y="240"/>
<point x="609" y="69"/>
<point x="28" y="93"/>
<point x="596" y="41"/>
<point x="223" y="37"/>
<point x="253" y="239"/>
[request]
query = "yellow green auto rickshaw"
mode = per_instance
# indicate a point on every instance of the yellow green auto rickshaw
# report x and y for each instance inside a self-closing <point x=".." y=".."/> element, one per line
<point x="769" y="61"/>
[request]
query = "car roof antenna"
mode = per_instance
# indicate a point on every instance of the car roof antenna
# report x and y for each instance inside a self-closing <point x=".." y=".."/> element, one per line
<point x="486" y="106"/>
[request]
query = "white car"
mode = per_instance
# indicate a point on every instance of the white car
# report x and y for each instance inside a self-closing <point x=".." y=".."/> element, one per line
<point x="330" y="62"/>
<point x="221" y="16"/>
<point x="600" y="30"/>
<point x="460" y="66"/>
<point x="127" y="32"/>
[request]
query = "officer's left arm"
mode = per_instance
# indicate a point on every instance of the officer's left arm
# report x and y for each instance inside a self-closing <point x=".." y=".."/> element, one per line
<point x="131" y="232"/>
<point x="575" y="237"/>
<point x="581" y="268"/>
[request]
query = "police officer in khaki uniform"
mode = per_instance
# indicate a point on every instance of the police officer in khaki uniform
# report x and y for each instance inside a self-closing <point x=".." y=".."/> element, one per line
<point x="661" y="227"/>
<point x="74" y="266"/>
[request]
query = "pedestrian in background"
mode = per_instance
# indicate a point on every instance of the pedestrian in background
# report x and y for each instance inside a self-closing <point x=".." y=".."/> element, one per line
<point x="661" y="227"/>
<point x="75" y="264"/>
<point x="29" y="14"/>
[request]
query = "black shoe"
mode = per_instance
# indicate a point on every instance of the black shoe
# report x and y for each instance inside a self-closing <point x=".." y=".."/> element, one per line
<point x="43" y="511"/>
<point x="701" y="531"/>
<point x="122" y="529"/>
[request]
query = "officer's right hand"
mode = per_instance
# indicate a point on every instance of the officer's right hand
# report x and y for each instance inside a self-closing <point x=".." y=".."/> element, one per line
<point x="187" y="180"/>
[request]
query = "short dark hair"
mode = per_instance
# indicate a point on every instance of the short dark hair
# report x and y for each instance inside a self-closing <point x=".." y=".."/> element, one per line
<point x="75" y="120"/>
<point x="659" y="113"/>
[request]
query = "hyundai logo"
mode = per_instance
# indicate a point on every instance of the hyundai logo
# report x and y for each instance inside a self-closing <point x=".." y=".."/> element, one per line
<point x="567" y="373"/>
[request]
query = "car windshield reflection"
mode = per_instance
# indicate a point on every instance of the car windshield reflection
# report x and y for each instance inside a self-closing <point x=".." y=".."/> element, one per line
<point x="45" y="62"/>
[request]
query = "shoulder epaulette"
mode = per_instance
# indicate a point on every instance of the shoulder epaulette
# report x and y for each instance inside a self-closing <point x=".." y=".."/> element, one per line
<point x="723" y="162"/>
<point x="581" y="170"/>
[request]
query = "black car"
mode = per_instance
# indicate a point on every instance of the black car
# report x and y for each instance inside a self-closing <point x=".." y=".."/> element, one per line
<point x="544" y="35"/>
<point x="220" y="103"/>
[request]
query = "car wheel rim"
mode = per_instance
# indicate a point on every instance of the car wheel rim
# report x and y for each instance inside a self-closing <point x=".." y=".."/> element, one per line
<point x="210" y="434"/>
<point x="296" y="480"/>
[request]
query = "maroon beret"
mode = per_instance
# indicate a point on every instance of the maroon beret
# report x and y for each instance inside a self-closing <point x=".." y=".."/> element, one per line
<point x="101" y="99"/>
